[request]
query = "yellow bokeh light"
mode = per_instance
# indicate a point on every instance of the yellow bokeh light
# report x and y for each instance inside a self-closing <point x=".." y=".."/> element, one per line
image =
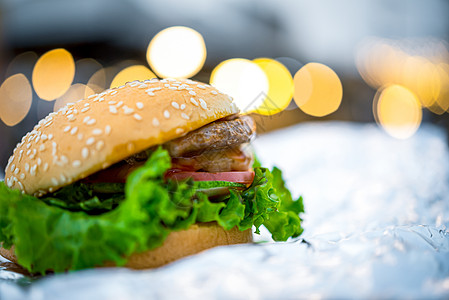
<point x="443" y="96"/>
<point x="53" y="74"/>
<point x="280" y="86"/>
<point x="76" y="92"/>
<point x="318" y="90"/>
<point x="15" y="99"/>
<point x="242" y="79"/>
<point x="177" y="52"/>
<point x="136" y="72"/>
<point x="398" y="111"/>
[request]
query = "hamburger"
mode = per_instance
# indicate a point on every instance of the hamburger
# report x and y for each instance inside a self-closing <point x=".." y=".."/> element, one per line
<point x="139" y="176"/>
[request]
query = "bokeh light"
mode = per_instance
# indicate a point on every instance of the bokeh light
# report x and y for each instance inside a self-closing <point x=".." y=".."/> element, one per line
<point x="85" y="69"/>
<point x="318" y="90"/>
<point x="280" y="87"/>
<point x="177" y="52"/>
<point x="22" y="63"/>
<point x="242" y="79"/>
<point x="76" y="92"/>
<point x="136" y="72"/>
<point x="15" y="99"/>
<point x="53" y="74"/>
<point x="417" y="65"/>
<point x="397" y="110"/>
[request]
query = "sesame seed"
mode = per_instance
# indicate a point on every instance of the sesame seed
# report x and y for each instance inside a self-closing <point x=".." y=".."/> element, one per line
<point x="85" y="109"/>
<point x="28" y="146"/>
<point x="192" y="93"/>
<point x="50" y="136"/>
<point x="44" y="137"/>
<point x="166" y="85"/>
<point x="80" y="136"/>
<point x="86" y="104"/>
<point x="8" y="182"/>
<point x="150" y="93"/>
<point x="174" y="88"/>
<point x="142" y="86"/>
<point x="127" y="110"/>
<point x="37" y="139"/>
<point x="119" y="104"/>
<point x="175" y="104"/>
<point x="54" y="181"/>
<point x="137" y="117"/>
<point x="97" y="131"/>
<point x="189" y="88"/>
<point x="76" y="163"/>
<point x="112" y="102"/>
<point x="22" y="176"/>
<point x="42" y="147"/>
<point x="113" y="110"/>
<point x="51" y="189"/>
<point x="185" y="116"/>
<point x="63" y="178"/>
<point x="71" y="118"/>
<point x="20" y="185"/>
<point x="139" y="105"/>
<point x="179" y="130"/>
<point x="20" y="154"/>
<point x="90" y="141"/>
<point x="13" y="166"/>
<point x="155" y="122"/>
<point x="166" y="114"/>
<point x="85" y="152"/>
<point x="183" y="106"/>
<point x="91" y="122"/>
<point x="107" y="129"/>
<point x="67" y="128"/>
<point x="201" y="86"/>
<point x="28" y="152"/>
<point x="130" y="147"/>
<point x="113" y="93"/>
<point x="91" y="96"/>
<point x="86" y="119"/>
<point x="16" y="171"/>
<point x="194" y="101"/>
<point x="99" y="145"/>
<point x="64" y="159"/>
<point x="74" y="130"/>
<point x="214" y="92"/>
<point x="33" y="170"/>
<point x="48" y="124"/>
<point x="203" y="103"/>
<point x="45" y="167"/>
<point x="39" y="161"/>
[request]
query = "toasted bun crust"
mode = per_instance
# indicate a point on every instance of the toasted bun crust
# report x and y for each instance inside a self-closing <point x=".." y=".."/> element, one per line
<point x="94" y="133"/>
<point x="198" y="237"/>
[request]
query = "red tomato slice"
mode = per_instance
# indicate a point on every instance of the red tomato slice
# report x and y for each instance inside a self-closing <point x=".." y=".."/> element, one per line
<point x="245" y="177"/>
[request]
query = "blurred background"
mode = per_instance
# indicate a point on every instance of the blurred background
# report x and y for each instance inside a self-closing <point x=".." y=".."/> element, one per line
<point x="284" y="62"/>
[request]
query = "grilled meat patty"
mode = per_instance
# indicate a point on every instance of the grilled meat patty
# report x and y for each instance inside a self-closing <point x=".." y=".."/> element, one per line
<point x="220" y="146"/>
<point x="216" y="135"/>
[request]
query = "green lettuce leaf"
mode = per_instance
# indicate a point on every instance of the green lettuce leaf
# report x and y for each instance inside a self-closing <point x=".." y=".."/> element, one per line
<point x="85" y="225"/>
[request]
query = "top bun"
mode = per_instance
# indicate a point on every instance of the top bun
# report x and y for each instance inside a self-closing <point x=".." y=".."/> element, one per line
<point x="85" y="137"/>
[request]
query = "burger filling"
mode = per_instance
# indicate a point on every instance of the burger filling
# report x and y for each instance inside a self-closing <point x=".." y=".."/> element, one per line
<point x="218" y="152"/>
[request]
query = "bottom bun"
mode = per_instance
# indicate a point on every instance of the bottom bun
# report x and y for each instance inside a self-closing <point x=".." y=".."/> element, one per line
<point x="196" y="238"/>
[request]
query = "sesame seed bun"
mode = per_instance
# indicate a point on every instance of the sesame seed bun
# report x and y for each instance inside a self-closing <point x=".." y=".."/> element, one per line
<point x="198" y="237"/>
<point x="90" y="135"/>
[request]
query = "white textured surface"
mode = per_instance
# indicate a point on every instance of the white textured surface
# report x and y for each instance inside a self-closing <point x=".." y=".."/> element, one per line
<point x="377" y="210"/>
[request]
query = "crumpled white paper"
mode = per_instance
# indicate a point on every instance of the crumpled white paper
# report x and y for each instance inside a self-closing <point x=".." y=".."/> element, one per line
<point x="377" y="212"/>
